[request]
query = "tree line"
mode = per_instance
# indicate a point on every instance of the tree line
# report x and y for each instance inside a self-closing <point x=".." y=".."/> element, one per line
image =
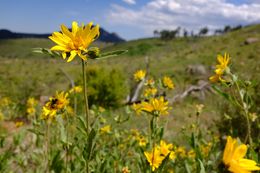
<point x="179" y="32"/>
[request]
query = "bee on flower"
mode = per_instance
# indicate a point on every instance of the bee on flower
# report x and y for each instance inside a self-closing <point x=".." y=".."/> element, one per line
<point x="221" y="68"/>
<point x="167" y="83"/>
<point x="234" y="160"/>
<point x="139" y="75"/>
<point x="56" y="104"/>
<point x="76" y="41"/>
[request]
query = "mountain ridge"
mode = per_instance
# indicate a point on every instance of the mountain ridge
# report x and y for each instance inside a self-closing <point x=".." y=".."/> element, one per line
<point x="105" y="36"/>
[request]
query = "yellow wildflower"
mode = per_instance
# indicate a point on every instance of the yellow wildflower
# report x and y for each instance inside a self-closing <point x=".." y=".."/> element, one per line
<point x="220" y="68"/>
<point x="181" y="152"/>
<point x="125" y="170"/>
<point x="150" y="92"/>
<point x="137" y="108"/>
<point x="192" y="154"/>
<point x="31" y="102"/>
<point x="31" y="110"/>
<point x="154" y="158"/>
<point x="233" y="157"/>
<point x="167" y="83"/>
<point x="105" y="129"/>
<point x="135" y="134"/>
<point x="150" y="82"/>
<point x="205" y="149"/>
<point x="5" y="101"/>
<point x="156" y="106"/>
<point x="139" y="75"/>
<point x="76" y="89"/>
<point x="55" y="104"/>
<point x="165" y="148"/>
<point x="19" y="124"/>
<point x="75" y="42"/>
<point x="142" y="141"/>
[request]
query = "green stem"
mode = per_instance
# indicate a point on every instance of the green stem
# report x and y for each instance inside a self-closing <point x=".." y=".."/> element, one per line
<point x="67" y="141"/>
<point x="245" y="109"/>
<point x="47" y="146"/>
<point x="86" y="104"/>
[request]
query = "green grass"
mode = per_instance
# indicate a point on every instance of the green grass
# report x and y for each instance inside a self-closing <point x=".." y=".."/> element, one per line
<point x="24" y="73"/>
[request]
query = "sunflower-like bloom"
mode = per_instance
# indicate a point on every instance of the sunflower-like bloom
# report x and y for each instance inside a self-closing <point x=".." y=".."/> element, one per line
<point x="55" y="104"/>
<point x="233" y="158"/>
<point x="139" y="75"/>
<point x="156" y="106"/>
<point x="76" y="41"/>
<point x="220" y="68"/>
<point x="167" y="83"/>
<point x="154" y="158"/>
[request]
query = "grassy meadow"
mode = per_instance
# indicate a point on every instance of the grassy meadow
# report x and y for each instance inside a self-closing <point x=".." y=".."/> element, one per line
<point x="201" y="130"/>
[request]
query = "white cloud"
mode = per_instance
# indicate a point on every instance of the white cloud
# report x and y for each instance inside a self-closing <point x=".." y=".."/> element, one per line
<point x="131" y="2"/>
<point x="189" y="14"/>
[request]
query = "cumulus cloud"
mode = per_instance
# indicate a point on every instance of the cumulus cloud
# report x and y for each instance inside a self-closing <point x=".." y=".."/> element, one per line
<point x="131" y="2"/>
<point x="189" y="14"/>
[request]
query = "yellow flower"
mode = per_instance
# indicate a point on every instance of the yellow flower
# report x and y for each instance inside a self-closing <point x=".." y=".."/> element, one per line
<point x="233" y="157"/>
<point x="220" y="68"/>
<point x="75" y="42"/>
<point x="156" y="106"/>
<point x="165" y="148"/>
<point x="125" y="170"/>
<point x="137" y="108"/>
<point x="154" y="158"/>
<point x="150" y="92"/>
<point x="59" y="101"/>
<point x="167" y="83"/>
<point x="150" y="82"/>
<point x="105" y="129"/>
<point x="76" y="89"/>
<point x="31" y="102"/>
<point x="142" y="141"/>
<point x="30" y="110"/>
<point x="181" y="152"/>
<point x="192" y="154"/>
<point x="19" y="124"/>
<point x="205" y="149"/>
<point x="5" y="101"/>
<point x="55" y="104"/>
<point x="139" y="75"/>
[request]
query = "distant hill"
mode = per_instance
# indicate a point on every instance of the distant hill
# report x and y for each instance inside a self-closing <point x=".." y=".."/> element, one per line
<point x="104" y="36"/>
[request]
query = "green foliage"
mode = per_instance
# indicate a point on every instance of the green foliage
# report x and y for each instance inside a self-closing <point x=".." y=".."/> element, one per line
<point x="106" y="88"/>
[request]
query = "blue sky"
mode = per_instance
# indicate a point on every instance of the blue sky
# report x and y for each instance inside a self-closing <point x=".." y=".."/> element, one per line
<point x="131" y="19"/>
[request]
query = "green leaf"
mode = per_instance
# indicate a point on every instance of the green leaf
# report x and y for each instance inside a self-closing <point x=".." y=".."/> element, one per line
<point x="187" y="167"/>
<point x="225" y="95"/>
<point x="111" y="54"/>
<point x="202" y="168"/>
<point x="57" y="163"/>
<point x="89" y="145"/>
<point x="47" y="52"/>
